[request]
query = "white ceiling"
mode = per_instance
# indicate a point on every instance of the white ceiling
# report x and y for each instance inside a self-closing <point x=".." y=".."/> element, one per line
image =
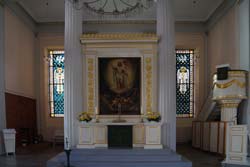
<point x="195" y="10"/>
<point x="185" y="10"/>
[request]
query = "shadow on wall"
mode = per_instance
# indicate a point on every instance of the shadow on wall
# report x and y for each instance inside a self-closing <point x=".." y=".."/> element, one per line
<point x="183" y="135"/>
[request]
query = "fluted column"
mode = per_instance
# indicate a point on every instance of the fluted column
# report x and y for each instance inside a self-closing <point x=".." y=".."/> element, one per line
<point x="166" y="73"/>
<point x="229" y="108"/>
<point x="73" y="71"/>
<point x="2" y="83"/>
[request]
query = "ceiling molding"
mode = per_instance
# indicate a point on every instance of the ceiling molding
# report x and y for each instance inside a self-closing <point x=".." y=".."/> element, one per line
<point x="143" y="37"/>
<point x="119" y="22"/>
<point x="51" y="27"/>
<point x="104" y="27"/>
<point x="213" y="10"/>
<point x="190" y="26"/>
<point x="28" y="11"/>
<point x="21" y="13"/>
<point x="180" y="26"/>
<point x="221" y="11"/>
<point x="93" y="26"/>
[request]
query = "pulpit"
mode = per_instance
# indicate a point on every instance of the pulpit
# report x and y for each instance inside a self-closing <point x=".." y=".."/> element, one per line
<point x="229" y="93"/>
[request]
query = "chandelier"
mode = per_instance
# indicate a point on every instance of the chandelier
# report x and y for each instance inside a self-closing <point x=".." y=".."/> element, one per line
<point x="117" y="8"/>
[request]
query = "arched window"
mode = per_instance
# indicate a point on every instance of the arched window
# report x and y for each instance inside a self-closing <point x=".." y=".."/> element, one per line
<point x="185" y="83"/>
<point x="56" y="83"/>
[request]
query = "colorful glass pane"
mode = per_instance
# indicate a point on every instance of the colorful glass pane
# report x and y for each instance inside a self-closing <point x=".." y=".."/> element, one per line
<point x="184" y="83"/>
<point x="56" y="83"/>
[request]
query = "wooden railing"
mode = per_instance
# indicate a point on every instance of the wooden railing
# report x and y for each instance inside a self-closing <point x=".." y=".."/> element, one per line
<point x="210" y="136"/>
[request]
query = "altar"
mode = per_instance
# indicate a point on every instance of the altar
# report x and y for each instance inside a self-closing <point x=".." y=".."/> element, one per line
<point x="120" y="90"/>
<point x="95" y="135"/>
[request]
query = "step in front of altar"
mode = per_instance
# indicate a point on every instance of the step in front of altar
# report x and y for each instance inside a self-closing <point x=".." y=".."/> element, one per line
<point x="120" y="158"/>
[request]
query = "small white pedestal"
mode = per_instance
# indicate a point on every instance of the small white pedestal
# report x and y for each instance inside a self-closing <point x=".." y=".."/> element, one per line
<point x="153" y="136"/>
<point x="236" y="150"/>
<point x="9" y="136"/>
<point x="86" y="136"/>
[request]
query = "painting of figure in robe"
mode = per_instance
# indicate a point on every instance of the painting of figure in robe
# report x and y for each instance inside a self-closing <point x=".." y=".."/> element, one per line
<point x="183" y="79"/>
<point x="119" y="86"/>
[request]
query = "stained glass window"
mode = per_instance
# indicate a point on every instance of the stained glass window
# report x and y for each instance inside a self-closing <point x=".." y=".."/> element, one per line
<point x="184" y="83"/>
<point x="56" y="83"/>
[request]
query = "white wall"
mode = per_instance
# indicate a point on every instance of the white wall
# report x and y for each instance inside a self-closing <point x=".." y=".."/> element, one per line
<point x="194" y="41"/>
<point x="228" y="42"/>
<point x="47" y="124"/>
<point x="19" y="56"/>
<point x="244" y="41"/>
<point x="244" y="34"/>
<point x="223" y="43"/>
<point x="24" y="65"/>
<point x="2" y="78"/>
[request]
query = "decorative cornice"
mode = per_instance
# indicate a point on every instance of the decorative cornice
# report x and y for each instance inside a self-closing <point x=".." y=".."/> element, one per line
<point x="230" y="83"/>
<point x="120" y="36"/>
<point x="229" y="105"/>
<point x="190" y="26"/>
<point x="221" y="11"/>
<point x="119" y="22"/>
<point x="22" y="14"/>
<point x="230" y="97"/>
<point x="243" y="72"/>
<point x="236" y="73"/>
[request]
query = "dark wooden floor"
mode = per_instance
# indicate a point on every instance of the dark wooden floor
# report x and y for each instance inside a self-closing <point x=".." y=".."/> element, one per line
<point x="37" y="155"/>
<point x="200" y="158"/>
<point x="34" y="155"/>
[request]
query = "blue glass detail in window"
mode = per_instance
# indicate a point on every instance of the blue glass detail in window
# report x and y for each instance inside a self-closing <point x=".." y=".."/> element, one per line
<point x="184" y="83"/>
<point x="56" y="83"/>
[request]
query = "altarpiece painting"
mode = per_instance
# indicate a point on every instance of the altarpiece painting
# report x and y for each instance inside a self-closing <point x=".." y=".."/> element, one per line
<point x="119" y="86"/>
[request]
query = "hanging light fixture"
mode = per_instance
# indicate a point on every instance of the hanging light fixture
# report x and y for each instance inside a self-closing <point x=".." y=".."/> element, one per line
<point x="117" y="8"/>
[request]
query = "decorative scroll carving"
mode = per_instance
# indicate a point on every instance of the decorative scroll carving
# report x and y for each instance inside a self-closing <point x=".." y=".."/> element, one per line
<point x="230" y="97"/>
<point x="148" y="84"/>
<point x="229" y="105"/>
<point x="230" y="83"/>
<point x="91" y="85"/>
<point x="120" y="36"/>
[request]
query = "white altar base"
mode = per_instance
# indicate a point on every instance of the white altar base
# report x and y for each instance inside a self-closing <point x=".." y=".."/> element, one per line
<point x="145" y="135"/>
<point x="120" y="158"/>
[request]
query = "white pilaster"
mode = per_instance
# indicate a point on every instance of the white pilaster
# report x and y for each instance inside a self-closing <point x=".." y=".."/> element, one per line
<point x="244" y="45"/>
<point x="166" y="67"/>
<point x="229" y="114"/>
<point x="73" y="70"/>
<point x="229" y="108"/>
<point x="2" y="82"/>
